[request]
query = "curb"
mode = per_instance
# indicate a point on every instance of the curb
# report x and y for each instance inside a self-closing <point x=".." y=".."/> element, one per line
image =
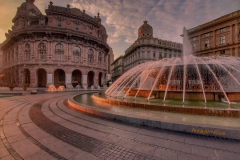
<point x="204" y="130"/>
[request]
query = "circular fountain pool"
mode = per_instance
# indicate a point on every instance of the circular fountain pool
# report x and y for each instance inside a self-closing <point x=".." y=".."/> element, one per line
<point x="137" y="112"/>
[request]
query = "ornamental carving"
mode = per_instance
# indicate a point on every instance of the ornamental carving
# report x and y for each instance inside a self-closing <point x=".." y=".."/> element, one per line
<point x="68" y="22"/>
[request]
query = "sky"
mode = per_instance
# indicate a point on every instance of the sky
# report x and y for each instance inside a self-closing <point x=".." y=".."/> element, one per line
<point x="122" y="18"/>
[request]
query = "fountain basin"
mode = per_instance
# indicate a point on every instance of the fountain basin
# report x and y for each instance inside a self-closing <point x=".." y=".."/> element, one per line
<point x="193" y="124"/>
<point x="173" y="108"/>
<point x="189" y="95"/>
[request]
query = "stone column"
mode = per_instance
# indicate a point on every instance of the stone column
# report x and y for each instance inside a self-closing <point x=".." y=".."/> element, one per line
<point x="199" y="42"/>
<point x="84" y="80"/>
<point x="96" y="74"/>
<point x="231" y="33"/>
<point x="236" y="33"/>
<point x="214" y="38"/>
<point x="33" y="78"/>
<point x="68" y="79"/>
<point x="50" y="79"/>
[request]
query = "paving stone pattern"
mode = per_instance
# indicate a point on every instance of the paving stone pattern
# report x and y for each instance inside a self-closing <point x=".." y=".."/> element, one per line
<point x="45" y="127"/>
<point x="96" y="147"/>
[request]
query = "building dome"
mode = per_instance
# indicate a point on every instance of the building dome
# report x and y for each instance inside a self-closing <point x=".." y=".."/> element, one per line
<point x="145" y="31"/>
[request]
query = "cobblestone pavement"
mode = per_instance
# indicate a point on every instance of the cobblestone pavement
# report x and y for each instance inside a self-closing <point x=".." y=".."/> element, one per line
<point x="45" y="127"/>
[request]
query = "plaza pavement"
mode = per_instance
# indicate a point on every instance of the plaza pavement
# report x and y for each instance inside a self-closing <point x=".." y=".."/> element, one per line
<point x="45" y="127"/>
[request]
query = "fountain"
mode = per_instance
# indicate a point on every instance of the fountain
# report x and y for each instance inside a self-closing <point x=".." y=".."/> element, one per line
<point x="169" y="93"/>
<point x="213" y="78"/>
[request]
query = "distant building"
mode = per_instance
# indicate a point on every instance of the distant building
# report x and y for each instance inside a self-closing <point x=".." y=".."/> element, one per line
<point x="64" y="47"/>
<point x="111" y="60"/>
<point x="1" y="66"/>
<point x="217" y="37"/>
<point x="117" y="68"/>
<point x="147" y="48"/>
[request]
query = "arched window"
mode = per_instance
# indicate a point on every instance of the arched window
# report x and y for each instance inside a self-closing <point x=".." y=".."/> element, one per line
<point x="76" y="54"/>
<point x="99" y="58"/>
<point x="59" y="52"/>
<point x="90" y="56"/>
<point x="27" y="52"/>
<point x="42" y="51"/>
<point x="16" y="53"/>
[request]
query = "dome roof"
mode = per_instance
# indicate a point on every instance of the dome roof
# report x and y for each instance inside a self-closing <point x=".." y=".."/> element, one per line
<point x="145" y="31"/>
<point x="27" y="9"/>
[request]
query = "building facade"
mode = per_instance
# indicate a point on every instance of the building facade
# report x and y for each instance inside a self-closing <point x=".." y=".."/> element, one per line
<point x="64" y="47"/>
<point x="117" y="68"/>
<point x="218" y="37"/>
<point x="147" y="48"/>
<point x="1" y="66"/>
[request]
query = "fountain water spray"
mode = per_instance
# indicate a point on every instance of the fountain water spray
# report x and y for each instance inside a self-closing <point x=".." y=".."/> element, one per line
<point x="190" y="75"/>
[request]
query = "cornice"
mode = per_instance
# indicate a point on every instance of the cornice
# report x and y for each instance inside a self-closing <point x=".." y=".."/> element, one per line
<point x="149" y="45"/>
<point x="50" y="31"/>
<point x="228" y="17"/>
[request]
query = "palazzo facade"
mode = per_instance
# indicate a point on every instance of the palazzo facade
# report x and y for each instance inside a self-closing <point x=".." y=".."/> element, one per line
<point x="64" y="47"/>
<point x="117" y="68"/>
<point x="147" y="48"/>
<point x="219" y="37"/>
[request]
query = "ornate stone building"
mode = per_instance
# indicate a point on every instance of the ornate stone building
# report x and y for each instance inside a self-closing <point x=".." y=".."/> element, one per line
<point x="218" y="37"/>
<point x="1" y="66"/>
<point x="65" y="46"/>
<point x="147" y="48"/>
<point x="117" y="68"/>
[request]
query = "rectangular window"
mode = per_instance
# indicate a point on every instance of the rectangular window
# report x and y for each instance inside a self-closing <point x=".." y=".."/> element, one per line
<point x="194" y="47"/>
<point x="154" y="54"/>
<point x="41" y="21"/>
<point x="206" y="43"/>
<point x="222" y="51"/>
<point x="165" y="56"/>
<point x="222" y="39"/>
<point x="90" y="31"/>
<point x="222" y="30"/>
<point x="76" y="26"/>
<point x="142" y="54"/>
<point x="206" y="34"/>
<point x="59" y="23"/>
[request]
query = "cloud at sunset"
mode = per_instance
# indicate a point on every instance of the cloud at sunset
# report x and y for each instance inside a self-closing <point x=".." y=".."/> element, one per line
<point x="122" y="18"/>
